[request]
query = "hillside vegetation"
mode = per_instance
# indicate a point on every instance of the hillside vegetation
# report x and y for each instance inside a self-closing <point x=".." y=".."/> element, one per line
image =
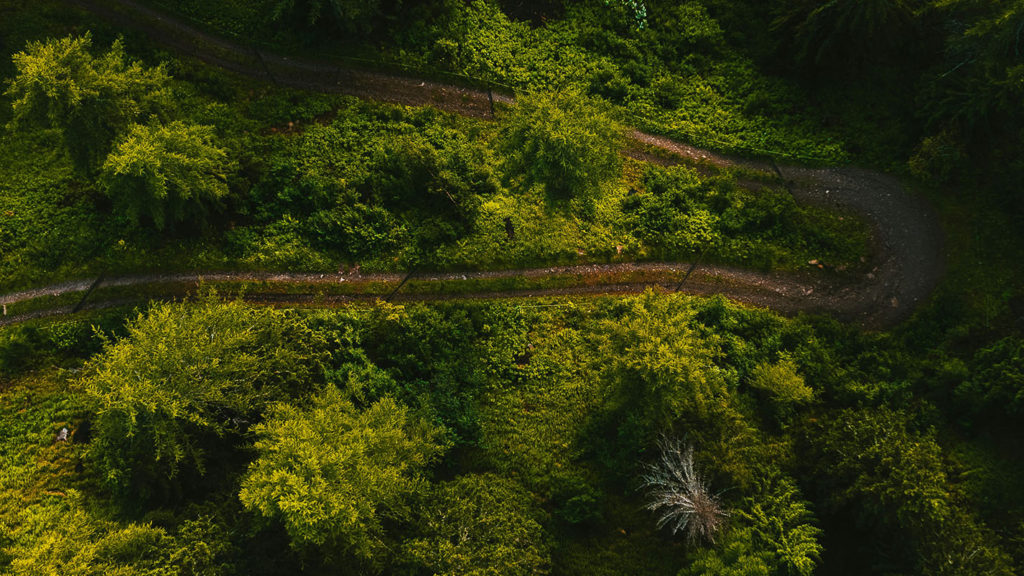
<point x="600" y="433"/>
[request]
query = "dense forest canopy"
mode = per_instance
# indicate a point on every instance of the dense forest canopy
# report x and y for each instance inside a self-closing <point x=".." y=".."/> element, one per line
<point x="509" y="437"/>
<point x="291" y="415"/>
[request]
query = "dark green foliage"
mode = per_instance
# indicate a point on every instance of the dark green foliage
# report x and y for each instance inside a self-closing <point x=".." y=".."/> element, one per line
<point x="349" y="15"/>
<point x="835" y="451"/>
<point x="428" y="356"/>
<point x="309" y="21"/>
<point x="678" y="75"/>
<point x="18" y="348"/>
<point x="685" y="31"/>
<point x="873" y="469"/>
<point x="563" y="142"/>
<point x="979" y="89"/>
<point x="846" y="32"/>
<point x="383" y="187"/>
<point x="994" y="387"/>
<point x="671" y="215"/>
<point x="366" y="187"/>
<point x="554" y="406"/>
<point x="203" y="547"/>
<point x="970" y="100"/>
<point x="662" y="365"/>
<point x="31" y="346"/>
<point x="736" y="555"/>
<point x="436" y="181"/>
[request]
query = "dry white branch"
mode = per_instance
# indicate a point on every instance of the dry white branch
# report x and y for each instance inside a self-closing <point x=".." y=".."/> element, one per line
<point x="678" y="495"/>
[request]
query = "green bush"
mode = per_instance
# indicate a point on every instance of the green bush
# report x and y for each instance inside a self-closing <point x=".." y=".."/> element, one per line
<point x="182" y="386"/>
<point x="335" y="476"/>
<point x="479" y="524"/>
<point x="167" y="175"/>
<point x="563" y="142"/>
<point x="89" y="100"/>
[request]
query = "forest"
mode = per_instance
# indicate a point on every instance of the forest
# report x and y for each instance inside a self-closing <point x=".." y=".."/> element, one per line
<point x="512" y="287"/>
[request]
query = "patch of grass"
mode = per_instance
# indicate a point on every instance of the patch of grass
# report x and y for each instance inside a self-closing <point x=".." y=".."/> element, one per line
<point x="33" y="466"/>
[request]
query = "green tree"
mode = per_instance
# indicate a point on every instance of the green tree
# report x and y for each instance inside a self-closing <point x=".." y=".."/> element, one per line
<point x="351" y="16"/>
<point x="995" y="389"/>
<point x="736" y="555"/>
<point x="166" y="174"/>
<point x="781" y="524"/>
<point x="480" y="525"/>
<point x="65" y="539"/>
<point x="782" y="388"/>
<point x="873" y="464"/>
<point x="563" y="141"/>
<point x="334" y="475"/>
<point x="781" y="381"/>
<point x="662" y="374"/>
<point x="435" y="179"/>
<point x="673" y="214"/>
<point x="971" y="101"/>
<point x="89" y="100"/>
<point x="831" y="32"/>
<point x="185" y="381"/>
<point x="770" y="533"/>
<point x="980" y="83"/>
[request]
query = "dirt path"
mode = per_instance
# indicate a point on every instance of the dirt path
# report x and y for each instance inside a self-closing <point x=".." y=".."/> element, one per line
<point x="908" y="245"/>
<point x="784" y="294"/>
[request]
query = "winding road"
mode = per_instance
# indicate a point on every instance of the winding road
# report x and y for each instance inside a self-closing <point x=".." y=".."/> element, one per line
<point x="906" y="264"/>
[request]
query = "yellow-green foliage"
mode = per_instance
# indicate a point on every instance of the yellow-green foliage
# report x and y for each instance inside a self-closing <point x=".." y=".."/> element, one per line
<point x="549" y="407"/>
<point x="185" y="375"/>
<point x="67" y="533"/>
<point x="32" y="412"/>
<point x="166" y="174"/>
<point x="783" y="526"/>
<point x="480" y="525"/>
<point x="781" y="382"/>
<point x="333" y="475"/>
<point x="60" y="536"/>
<point x="89" y="100"/>
<point x="530" y="429"/>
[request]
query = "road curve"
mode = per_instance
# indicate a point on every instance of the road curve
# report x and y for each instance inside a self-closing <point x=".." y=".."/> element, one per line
<point x="906" y="264"/>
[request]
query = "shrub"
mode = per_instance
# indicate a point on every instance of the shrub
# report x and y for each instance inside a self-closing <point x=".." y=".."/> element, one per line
<point x="333" y="476"/>
<point x="480" y="524"/>
<point x="184" y="381"/>
<point x="167" y="174"/>
<point x="89" y="100"/>
<point x="561" y="141"/>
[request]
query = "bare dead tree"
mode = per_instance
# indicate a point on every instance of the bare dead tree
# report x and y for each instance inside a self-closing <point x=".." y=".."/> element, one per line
<point x="678" y="495"/>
